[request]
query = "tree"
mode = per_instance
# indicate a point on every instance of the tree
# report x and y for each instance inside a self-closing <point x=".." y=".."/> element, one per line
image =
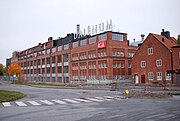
<point x="178" y="40"/>
<point x="2" y="70"/>
<point x="14" y="69"/>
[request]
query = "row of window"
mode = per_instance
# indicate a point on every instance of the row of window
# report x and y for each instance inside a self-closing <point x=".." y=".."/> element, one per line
<point x="158" y="63"/>
<point x="159" y="76"/>
<point x="38" y="71"/>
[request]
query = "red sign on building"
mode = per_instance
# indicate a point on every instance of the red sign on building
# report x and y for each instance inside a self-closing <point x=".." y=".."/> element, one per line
<point x="102" y="44"/>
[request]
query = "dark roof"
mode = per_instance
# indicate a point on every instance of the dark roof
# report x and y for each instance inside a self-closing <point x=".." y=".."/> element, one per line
<point x="165" y="41"/>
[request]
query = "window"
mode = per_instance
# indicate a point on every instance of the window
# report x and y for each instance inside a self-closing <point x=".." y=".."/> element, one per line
<point x="48" y="51"/>
<point x="59" y="58"/>
<point x="43" y="61"/>
<point x="159" y="63"/>
<point x="53" y="49"/>
<point x="66" y="47"/>
<point x="143" y="64"/>
<point x="83" y="42"/>
<point x="122" y="65"/>
<point x="150" y="51"/>
<point x="39" y="61"/>
<point x="60" y="69"/>
<point x="92" y="40"/>
<point x="65" y="69"/>
<point x="59" y="48"/>
<point x="159" y="75"/>
<point x="48" y="70"/>
<point x="102" y="37"/>
<point x="119" y="65"/>
<point x="47" y="60"/>
<point x="129" y="65"/>
<point x="43" y="52"/>
<point x="34" y="63"/>
<point x="130" y="54"/>
<point x="75" y="44"/>
<point x="168" y="76"/>
<point x="65" y="57"/>
<point x="150" y="76"/>
<point x="118" y="37"/>
<point x="53" y="59"/>
<point x="53" y="69"/>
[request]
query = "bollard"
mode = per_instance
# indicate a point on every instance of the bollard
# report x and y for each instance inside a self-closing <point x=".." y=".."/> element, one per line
<point x="164" y="87"/>
<point x="145" y="88"/>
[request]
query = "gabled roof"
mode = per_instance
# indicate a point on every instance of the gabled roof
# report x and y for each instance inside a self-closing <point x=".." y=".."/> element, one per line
<point x="165" y="41"/>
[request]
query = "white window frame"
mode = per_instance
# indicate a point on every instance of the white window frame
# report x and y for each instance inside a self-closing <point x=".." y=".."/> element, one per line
<point x="150" y="51"/>
<point x="168" y="76"/>
<point x="143" y="64"/>
<point x="66" y="46"/>
<point x="150" y="76"/>
<point x="53" y="49"/>
<point x="159" y="75"/>
<point x="59" y="48"/>
<point x="48" y="51"/>
<point x="159" y="62"/>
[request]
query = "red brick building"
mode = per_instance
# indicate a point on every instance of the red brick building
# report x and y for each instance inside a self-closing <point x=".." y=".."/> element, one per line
<point x="154" y="59"/>
<point x="176" y="63"/>
<point x="99" y="58"/>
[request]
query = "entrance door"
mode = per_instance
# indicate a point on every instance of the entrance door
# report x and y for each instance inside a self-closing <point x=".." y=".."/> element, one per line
<point x="136" y="79"/>
<point x="142" y="78"/>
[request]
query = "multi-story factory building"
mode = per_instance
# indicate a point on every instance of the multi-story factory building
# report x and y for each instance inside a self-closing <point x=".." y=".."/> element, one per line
<point x="100" y="58"/>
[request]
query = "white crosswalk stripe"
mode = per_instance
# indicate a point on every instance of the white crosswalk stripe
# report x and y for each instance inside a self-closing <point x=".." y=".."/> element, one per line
<point x="20" y="104"/>
<point x="33" y="103"/>
<point x="83" y="100"/>
<point x="71" y="101"/>
<point x="101" y="98"/>
<point x="47" y="102"/>
<point x="109" y="97"/>
<point x="63" y="101"/>
<point x="6" y="104"/>
<point x="59" y="101"/>
<point x="96" y="100"/>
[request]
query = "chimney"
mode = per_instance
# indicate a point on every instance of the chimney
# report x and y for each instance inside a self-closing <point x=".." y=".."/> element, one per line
<point x="165" y="33"/>
<point x="78" y="29"/>
<point x="142" y="37"/>
<point x="134" y="40"/>
<point x="50" y="38"/>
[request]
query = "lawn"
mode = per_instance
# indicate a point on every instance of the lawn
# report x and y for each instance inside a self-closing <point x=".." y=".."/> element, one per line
<point x="6" y="96"/>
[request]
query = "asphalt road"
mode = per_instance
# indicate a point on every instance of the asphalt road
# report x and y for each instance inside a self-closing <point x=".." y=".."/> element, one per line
<point x="103" y="109"/>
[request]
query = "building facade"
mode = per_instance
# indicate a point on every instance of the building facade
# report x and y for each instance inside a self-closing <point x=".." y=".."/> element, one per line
<point x="153" y="62"/>
<point x="100" y="58"/>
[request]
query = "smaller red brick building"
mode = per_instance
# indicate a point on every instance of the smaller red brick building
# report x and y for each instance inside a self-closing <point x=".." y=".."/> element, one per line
<point x="176" y="64"/>
<point x="153" y="62"/>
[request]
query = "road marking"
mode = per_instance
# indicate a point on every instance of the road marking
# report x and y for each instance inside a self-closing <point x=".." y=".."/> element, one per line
<point x="59" y="101"/>
<point x="156" y="115"/>
<point x="6" y="104"/>
<point x="101" y="98"/>
<point x="47" y="102"/>
<point x="33" y="103"/>
<point x="167" y="116"/>
<point x="83" y="100"/>
<point x="109" y="97"/>
<point x="20" y="104"/>
<point x="96" y="100"/>
<point x="71" y="101"/>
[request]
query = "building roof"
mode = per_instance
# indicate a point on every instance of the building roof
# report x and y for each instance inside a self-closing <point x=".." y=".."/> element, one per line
<point x="136" y="43"/>
<point x="165" y="41"/>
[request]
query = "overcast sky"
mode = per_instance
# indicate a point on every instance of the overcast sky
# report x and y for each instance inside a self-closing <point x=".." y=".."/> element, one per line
<point x="25" y="23"/>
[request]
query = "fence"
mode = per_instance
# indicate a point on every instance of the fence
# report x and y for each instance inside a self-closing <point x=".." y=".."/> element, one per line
<point x="41" y="78"/>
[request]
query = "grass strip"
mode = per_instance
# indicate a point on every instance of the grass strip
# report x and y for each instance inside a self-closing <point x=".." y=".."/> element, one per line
<point x="6" y="96"/>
